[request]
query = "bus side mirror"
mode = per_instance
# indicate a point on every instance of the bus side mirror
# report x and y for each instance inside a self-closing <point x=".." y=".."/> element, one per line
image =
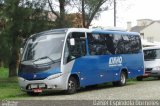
<point x="72" y="41"/>
<point x="21" y="51"/>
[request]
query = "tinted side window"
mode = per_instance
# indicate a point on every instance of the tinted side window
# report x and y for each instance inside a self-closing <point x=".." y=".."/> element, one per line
<point x="137" y="44"/>
<point x="118" y="43"/>
<point x="127" y="45"/>
<point x="78" y="49"/>
<point x="151" y="54"/>
<point x="132" y="43"/>
<point x="100" y="44"/>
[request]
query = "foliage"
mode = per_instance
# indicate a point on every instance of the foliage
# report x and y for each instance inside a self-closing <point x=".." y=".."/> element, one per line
<point x="93" y="8"/>
<point x="60" y="13"/>
<point x="90" y="9"/>
<point x="22" y="18"/>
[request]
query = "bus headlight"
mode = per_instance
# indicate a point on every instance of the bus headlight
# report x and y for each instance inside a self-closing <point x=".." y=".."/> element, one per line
<point x="156" y="68"/>
<point x="54" y="76"/>
<point x="21" y="79"/>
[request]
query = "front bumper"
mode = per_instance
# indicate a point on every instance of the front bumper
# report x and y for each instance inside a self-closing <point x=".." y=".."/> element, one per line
<point x="153" y="73"/>
<point x="56" y="84"/>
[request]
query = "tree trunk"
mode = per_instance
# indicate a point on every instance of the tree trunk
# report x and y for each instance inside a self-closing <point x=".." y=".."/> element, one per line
<point x="14" y="59"/>
<point x="83" y="15"/>
<point x="12" y="69"/>
<point x="14" y="62"/>
<point x="1" y="63"/>
<point x="62" y="13"/>
<point x="94" y="12"/>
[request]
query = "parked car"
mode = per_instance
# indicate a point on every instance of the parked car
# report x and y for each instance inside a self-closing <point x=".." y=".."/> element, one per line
<point x="151" y="62"/>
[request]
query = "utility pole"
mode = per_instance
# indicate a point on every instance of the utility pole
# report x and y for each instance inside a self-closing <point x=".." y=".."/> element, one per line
<point x="114" y="13"/>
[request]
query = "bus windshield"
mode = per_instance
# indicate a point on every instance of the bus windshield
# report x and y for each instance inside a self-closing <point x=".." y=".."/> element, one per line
<point x="44" y="48"/>
<point x="151" y="54"/>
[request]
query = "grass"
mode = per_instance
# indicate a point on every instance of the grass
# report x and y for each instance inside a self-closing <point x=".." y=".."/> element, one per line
<point x="3" y="73"/>
<point x="9" y="86"/>
<point x="131" y="81"/>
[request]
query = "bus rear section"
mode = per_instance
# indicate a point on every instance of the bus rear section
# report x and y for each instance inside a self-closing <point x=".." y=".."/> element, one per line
<point x="82" y="58"/>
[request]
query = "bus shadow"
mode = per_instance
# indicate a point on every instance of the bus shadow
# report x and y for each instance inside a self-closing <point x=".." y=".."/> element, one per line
<point x="53" y="93"/>
<point x="102" y="86"/>
<point x="99" y="87"/>
<point x="96" y="87"/>
<point x="84" y="89"/>
<point x="151" y="79"/>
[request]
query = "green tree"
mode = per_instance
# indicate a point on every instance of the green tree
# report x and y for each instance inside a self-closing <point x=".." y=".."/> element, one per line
<point x="60" y="12"/>
<point x="89" y="9"/>
<point x="23" y="17"/>
<point x="92" y="8"/>
<point x="1" y="28"/>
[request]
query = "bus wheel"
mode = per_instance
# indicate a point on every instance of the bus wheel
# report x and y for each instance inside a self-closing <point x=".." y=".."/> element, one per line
<point x="72" y="85"/>
<point x="32" y="94"/>
<point x="139" y="78"/>
<point x="123" y="78"/>
<point x="122" y="81"/>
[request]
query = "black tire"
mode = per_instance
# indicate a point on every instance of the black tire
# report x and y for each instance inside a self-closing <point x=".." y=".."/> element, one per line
<point x="32" y="94"/>
<point x="91" y="86"/>
<point x="115" y="83"/>
<point x="139" y="78"/>
<point x="72" y="86"/>
<point x="122" y="82"/>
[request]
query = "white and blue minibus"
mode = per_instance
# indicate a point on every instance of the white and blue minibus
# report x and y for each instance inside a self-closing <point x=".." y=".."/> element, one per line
<point x="67" y="59"/>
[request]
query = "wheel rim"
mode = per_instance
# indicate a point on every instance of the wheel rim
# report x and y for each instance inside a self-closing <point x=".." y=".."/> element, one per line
<point x="71" y="85"/>
<point x="123" y="79"/>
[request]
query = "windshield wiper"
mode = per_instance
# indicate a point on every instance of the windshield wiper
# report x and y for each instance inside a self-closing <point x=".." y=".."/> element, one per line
<point x="37" y="59"/>
<point x="45" y="57"/>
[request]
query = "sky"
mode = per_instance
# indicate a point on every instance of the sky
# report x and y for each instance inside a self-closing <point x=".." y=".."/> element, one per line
<point x="129" y="10"/>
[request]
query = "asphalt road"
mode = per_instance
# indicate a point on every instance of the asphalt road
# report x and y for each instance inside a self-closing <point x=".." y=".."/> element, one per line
<point x="143" y="90"/>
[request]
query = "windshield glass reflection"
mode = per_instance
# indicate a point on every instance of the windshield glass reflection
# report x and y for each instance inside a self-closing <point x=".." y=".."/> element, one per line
<point x="48" y="46"/>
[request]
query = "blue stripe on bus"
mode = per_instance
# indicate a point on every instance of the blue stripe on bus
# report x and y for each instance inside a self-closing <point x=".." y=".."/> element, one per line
<point x="39" y="75"/>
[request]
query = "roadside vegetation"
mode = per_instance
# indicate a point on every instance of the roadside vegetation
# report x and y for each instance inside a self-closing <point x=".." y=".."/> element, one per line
<point x="9" y="86"/>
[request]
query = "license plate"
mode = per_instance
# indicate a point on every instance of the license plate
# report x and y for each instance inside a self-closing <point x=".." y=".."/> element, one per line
<point x="37" y="90"/>
<point x="34" y="86"/>
<point x="42" y="85"/>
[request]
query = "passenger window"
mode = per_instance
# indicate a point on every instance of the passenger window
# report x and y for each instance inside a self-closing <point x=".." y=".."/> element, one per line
<point x="118" y="43"/>
<point x="100" y="44"/>
<point x="77" y="49"/>
<point x="127" y="44"/>
<point x="132" y="43"/>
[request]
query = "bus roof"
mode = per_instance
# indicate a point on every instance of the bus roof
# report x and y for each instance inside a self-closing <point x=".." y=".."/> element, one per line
<point x="115" y="32"/>
<point x="108" y="31"/>
<point x="64" y="30"/>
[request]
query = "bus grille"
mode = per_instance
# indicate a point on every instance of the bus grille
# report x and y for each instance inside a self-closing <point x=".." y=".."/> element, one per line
<point x="32" y="68"/>
<point x="148" y="69"/>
